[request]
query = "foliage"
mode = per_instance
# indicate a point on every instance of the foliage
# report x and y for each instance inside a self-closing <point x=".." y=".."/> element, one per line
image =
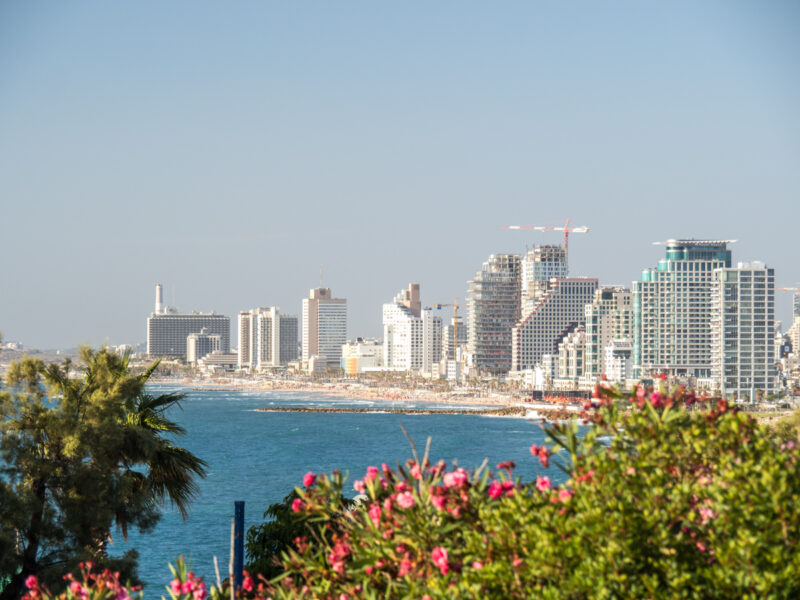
<point x="665" y="499"/>
<point x="788" y="428"/>
<point x="104" y="585"/>
<point x="266" y="542"/>
<point x="79" y="456"/>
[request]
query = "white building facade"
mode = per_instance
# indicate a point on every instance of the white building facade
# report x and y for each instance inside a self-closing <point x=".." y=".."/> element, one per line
<point x="411" y="342"/>
<point x="743" y="325"/>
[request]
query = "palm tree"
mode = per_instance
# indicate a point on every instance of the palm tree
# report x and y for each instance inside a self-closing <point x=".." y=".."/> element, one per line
<point x="170" y="472"/>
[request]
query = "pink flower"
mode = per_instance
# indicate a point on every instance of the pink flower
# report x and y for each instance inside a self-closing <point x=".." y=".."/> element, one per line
<point x="565" y="495"/>
<point x="456" y="478"/>
<point x="358" y="486"/>
<point x="542" y="483"/>
<point x="534" y="450"/>
<point x="31" y="582"/>
<point x="438" y="502"/>
<point x="297" y="505"/>
<point x="336" y="557"/>
<point x="372" y="473"/>
<point x="405" y="500"/>
<point x="405" y="567"/>
<point x="247" y="582"/>
<point x="175" y="587"/>
<point x="439" y="556"/>
<point x="308" y="479"/>
<point x="631" y="471"/>
<point x="706" y="514"/>
<point x="477" y="565"/>
<point x="516" y="562"/>
<point x="375" y="514"/>
<point x="78" y="590"/>
<point x="416" y="473"/>
<point x="495" y="490"/>
<point x="199" y="591"/>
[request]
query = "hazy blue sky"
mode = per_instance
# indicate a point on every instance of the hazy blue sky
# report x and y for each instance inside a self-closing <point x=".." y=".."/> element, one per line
<point x="227" y="149"/>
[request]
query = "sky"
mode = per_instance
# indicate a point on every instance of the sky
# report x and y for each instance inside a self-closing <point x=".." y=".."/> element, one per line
<point x="233" y="151"/>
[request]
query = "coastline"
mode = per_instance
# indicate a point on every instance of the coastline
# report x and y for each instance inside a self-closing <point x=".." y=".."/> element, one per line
<point x="347" y="389"/>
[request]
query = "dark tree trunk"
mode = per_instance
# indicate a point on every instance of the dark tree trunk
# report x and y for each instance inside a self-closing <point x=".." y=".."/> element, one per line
<point x="16" y="587"/>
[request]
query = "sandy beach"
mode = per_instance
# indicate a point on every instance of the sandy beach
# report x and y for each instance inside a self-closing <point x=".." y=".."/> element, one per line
<point x="349" y="389"/>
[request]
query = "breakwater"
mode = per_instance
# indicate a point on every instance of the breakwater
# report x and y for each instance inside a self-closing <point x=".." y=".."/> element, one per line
<point x="556" y="414"/>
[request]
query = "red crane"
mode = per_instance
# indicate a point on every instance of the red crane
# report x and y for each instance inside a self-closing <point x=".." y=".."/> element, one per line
<point x="566" y="229"/>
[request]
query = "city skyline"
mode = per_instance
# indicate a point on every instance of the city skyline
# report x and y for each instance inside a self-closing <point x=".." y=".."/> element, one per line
<point x="228" y="152"/>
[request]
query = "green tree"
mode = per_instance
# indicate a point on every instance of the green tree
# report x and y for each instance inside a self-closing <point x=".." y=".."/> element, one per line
<point x="80" y="456"/>
<point x="266" y="542"/>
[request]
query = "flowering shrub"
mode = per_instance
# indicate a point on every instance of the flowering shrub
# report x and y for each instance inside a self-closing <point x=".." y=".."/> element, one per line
<point x="667" y="496"/>
<point x="104" y="585"/>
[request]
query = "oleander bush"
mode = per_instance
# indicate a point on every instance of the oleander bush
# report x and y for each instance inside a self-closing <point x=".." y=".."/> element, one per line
<point x="667" y="496"/>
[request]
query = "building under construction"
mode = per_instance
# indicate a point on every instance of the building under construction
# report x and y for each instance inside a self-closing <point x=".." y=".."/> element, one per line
<point x="493" y="308"/>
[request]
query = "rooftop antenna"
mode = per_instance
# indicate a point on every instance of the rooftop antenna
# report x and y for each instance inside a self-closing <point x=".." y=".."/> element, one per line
<point x="320" y="275"/>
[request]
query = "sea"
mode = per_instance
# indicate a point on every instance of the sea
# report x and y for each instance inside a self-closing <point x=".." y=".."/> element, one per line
<point x="259" y="457"/>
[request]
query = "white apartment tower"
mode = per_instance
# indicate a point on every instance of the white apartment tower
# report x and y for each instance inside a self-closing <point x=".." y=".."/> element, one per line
<point x="571" y="354"/>
<point x="411" y="342"/>
<point x="246" y="359"/>
<point x="608" y="317"/>
<point x="743" y="322"/>
<point x="559" y="311"/>
<point x="493" y="307"/>
<point x="541" y="265"/>
<point x="267" y="338"/>
<point x="672" y="310"/>
<point x="324" y="326"/>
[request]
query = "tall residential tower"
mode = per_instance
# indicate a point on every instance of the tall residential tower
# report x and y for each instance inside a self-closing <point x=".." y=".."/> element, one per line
<point x="324" y="327"/>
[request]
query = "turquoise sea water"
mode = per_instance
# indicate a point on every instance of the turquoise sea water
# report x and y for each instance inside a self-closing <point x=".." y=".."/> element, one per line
<point x="259" y="457"/>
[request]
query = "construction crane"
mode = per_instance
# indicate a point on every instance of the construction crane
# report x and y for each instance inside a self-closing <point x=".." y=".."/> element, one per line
<point x="566" y="229"/>
<point x="455" y="323"/>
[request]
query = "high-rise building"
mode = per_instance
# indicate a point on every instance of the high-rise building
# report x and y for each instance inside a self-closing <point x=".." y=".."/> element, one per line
<point x="456" y="328"/>
<point x="540" y="266"/>
<point x="200" y="344"/>
<point x="672" y="306"/>
<point x="796" y="305"/>
<point x="267" y="338"/>
<point x="493" y="307"/>
<point x="246" y="358"/>
<point x="411" y="342"/>
<point x="743" y="329"/>
<point x="324" y="327"/>
<point x="276" y="338"/>
<point x="558" y="312"/>
<point x="608" y="317"/>
<point x="168" y="330"/>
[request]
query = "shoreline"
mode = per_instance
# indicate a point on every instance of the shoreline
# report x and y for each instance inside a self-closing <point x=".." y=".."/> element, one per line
<point x="356" y="391"/>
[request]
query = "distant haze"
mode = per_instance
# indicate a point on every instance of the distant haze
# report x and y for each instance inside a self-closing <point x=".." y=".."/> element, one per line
<point x="227" y="150"/>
